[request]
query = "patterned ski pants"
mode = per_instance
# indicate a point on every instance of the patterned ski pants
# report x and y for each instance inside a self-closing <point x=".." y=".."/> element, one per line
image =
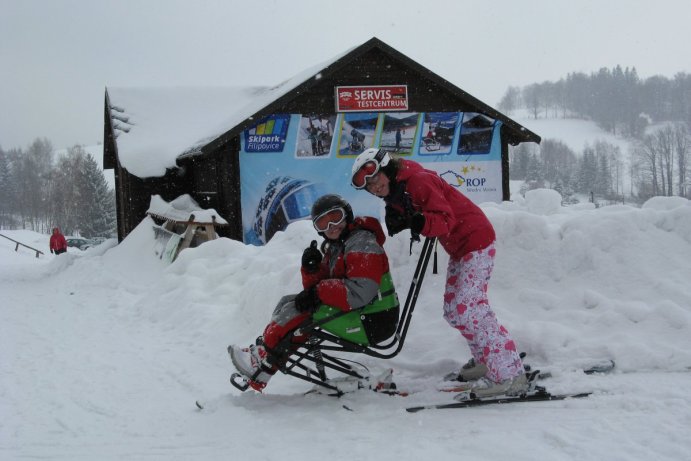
<point x="467" y="309"/>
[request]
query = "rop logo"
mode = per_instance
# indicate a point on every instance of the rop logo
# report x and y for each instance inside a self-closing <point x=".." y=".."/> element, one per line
<point x="456" y="180"/>
<point x="453" y="178"/>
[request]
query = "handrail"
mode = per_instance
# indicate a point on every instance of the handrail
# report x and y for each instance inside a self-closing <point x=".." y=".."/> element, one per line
<point x="16" y="247"/>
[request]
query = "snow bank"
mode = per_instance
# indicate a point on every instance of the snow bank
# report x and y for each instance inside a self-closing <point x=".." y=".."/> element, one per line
<point x="103" y="352"/>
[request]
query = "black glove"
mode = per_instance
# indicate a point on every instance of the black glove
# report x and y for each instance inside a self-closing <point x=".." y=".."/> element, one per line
<point x="307" y="300"/>
<point x="395" y="221"/>
<point x="311" y="258"/>
<point x="417" y="223"/>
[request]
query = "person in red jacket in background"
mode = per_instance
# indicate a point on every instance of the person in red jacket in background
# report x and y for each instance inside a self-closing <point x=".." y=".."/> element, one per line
<point x="419" y="200"/>
<point x="352" y="273"/>
<point x="58" y="244"/>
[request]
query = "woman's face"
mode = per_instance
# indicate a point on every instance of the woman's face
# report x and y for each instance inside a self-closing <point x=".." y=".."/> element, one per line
<point x="378" y="185"/>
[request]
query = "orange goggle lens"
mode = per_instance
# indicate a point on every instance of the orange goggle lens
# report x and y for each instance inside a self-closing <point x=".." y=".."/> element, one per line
<point x="365" y="172"/>
<point x="329" y="218"/>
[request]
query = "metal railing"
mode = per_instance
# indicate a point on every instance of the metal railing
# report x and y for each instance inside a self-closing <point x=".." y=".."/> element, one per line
<point x="16" y="247"/>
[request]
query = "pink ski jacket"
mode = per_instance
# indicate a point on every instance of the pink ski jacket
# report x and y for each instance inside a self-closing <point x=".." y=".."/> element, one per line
<point x="453" y="218"/>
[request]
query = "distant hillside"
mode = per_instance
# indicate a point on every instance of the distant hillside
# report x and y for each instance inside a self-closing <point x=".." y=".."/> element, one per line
<point x="575" y="133"/>
<point x="579" y="136"/>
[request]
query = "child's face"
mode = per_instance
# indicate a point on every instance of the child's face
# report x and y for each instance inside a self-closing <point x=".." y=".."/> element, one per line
<point x="335" y="231"/>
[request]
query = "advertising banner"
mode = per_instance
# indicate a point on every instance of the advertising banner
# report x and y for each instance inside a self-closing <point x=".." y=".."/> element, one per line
<point x="371" y="98"/>
<point x="287" y="161"/>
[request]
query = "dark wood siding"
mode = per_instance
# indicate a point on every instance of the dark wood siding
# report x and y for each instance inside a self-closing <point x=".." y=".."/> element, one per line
<point x="133" y="196"/>
<point x="216" y="184"/>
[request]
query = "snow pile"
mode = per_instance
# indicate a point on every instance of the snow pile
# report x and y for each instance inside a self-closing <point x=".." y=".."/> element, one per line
<point x="181" y="208"/>
<point x="103" y="352"/>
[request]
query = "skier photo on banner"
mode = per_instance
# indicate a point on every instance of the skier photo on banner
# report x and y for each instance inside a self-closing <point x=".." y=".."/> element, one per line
<point x="315" y="135"/>
<point x="399" y="131"/>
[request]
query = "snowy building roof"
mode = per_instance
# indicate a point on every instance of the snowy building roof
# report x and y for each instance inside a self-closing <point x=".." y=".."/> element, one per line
<point x="154" y="126"/>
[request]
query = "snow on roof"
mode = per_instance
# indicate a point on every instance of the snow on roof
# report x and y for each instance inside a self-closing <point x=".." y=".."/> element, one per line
<point x="156" y="125"/>
<point x="181" y="208"/>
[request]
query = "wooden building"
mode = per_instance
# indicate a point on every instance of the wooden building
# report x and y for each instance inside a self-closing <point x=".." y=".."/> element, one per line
<point x="208" y="169"/>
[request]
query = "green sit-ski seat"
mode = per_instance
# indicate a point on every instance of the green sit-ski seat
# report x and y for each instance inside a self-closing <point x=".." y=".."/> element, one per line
<point x="367" y="325"/>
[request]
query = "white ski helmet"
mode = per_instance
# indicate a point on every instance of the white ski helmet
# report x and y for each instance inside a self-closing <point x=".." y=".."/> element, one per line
<point x="379" y="158"/>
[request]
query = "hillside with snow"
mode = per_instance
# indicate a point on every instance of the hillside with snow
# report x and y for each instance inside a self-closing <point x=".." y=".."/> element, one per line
<point x="104" y="352"/>
<point x="575" y="133"/>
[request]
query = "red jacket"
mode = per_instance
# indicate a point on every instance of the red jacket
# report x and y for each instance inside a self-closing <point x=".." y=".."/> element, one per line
<point x="352" y="269"/>
<point x="460" y="225"/>
<point x="57" y="241"/>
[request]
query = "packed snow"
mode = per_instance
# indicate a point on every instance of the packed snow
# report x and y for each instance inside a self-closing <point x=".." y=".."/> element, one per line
<point x="104" y="352"/>
<point x="181" y="208"/>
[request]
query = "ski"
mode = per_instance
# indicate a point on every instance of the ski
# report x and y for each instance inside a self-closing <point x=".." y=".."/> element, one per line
<point x="602" y="367"/>
<point x="595" y="369"/>
<point x="535" y="397"/>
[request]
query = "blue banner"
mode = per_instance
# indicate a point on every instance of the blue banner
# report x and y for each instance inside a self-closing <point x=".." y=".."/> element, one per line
<point x="288" y="160"/>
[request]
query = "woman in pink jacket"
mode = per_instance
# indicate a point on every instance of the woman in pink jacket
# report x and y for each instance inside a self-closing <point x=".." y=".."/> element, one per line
<point x="419" y="200"/>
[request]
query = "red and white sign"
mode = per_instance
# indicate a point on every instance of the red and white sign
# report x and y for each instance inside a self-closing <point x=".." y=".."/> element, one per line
<point x="371" y="98"/>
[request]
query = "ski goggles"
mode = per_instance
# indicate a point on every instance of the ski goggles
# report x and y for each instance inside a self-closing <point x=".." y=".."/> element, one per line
<point x="329" y="218"/>
<point x="367" y="170"/>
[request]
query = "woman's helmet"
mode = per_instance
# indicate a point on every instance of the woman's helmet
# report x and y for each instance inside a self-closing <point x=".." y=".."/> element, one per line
<point x="368" y="164"/>
<point x="328" y="210"/>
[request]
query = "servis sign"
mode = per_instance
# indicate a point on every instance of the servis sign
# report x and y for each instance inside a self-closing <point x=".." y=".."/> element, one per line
<point x="371" y="98"/>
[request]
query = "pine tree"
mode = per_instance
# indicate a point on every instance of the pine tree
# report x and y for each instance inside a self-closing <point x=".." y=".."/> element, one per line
<point x="534" y="175"/>
<point x="5" y="191"/>
<point x="84" y="203"/>
<point x="518" y="161"/>
<point x="587" y="171"/>
<point x="65" y="196"/>
<point x="557" y="160"/>
<point x="97" y="211"/>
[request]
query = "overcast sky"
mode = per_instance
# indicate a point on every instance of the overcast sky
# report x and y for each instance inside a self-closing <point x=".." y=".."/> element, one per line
<point x="58" y="56"/>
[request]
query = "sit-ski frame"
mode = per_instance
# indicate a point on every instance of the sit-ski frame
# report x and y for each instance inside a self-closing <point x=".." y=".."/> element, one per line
<point x="321" y="340"/>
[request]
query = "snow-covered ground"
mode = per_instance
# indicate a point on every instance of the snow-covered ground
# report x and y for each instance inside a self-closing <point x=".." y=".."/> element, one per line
<point x="104" y="352"/>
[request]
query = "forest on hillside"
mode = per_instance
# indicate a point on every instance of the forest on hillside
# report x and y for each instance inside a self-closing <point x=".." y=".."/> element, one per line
<point x="654" y="114"/>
